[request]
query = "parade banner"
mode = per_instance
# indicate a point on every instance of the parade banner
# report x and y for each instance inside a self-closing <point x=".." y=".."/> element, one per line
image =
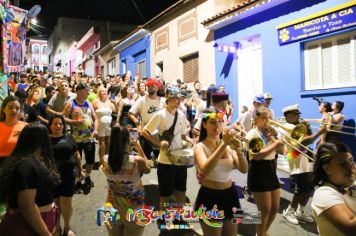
<point x="3" y="87"/>
<point x="331" y="20"/>
<point x="15" y="38"/>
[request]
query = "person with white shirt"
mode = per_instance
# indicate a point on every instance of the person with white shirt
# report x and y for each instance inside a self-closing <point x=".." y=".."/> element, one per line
<point x="268" y="98"/>
<point x="300" y="168"/>
<point x="143" y="110"/>
<point x="216" y="155"/>
<point x="334" y="172"/>
<point x="245" y="121"/>
<point x="262" y="179"/>
<point x="172" y="179"/>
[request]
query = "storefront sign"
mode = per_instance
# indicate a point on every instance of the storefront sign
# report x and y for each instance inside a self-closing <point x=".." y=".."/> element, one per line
<point x="335" y="19"/>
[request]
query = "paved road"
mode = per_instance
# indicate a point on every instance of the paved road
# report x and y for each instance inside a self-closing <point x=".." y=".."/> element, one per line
<point x="85" y="207"/>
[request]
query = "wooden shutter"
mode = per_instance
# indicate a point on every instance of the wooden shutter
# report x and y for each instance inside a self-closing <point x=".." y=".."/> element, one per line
<point x="191" y="68"/>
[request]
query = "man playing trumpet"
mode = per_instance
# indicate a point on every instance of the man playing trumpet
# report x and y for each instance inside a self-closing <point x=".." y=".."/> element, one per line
<point x="300" y="167"/>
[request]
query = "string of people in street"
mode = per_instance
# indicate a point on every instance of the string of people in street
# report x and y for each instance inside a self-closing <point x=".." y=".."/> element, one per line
<point x="51" y="126"/>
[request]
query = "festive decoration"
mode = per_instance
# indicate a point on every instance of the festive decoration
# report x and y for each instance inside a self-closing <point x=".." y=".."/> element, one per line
<point x="32" y="13"/>
<point x="3" y="87"/>
<point x="214" y="115"/>
<point x="9" y="15"/>
<point x="13" y="39"/>
<point x="292" y="155"/>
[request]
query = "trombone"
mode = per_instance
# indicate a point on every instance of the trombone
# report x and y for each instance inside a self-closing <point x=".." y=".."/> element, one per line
<point x="255" y="145"/>
<point x="320" y="121"/>
<point x="294" y="134"/>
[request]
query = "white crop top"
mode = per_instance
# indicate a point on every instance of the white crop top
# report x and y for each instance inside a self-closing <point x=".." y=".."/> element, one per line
<point x="222" y="171"/>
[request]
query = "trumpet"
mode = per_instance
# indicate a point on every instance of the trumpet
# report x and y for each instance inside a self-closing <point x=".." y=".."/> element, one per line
<point x="329" y="125"/>
<point x="254" y="145"/>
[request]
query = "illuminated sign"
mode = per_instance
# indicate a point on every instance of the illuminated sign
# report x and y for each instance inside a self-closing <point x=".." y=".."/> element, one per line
<point x="331" y="20"/>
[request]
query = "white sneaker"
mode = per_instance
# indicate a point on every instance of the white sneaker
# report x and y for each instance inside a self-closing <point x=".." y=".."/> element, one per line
<point x="304" y="217"/>
<point x="290" y="217"/>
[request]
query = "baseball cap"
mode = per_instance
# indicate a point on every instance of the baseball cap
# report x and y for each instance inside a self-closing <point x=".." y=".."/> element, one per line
<point x="267" y="96"/>
<point x="81" y="86"/>
<point x="212" y="89"/>
<point x="259" y="98"/>
<point x="173" y="92"/>
<point x="153" y="81"/>
<point x="292" y="108"/>
<point x="205" y="88"/>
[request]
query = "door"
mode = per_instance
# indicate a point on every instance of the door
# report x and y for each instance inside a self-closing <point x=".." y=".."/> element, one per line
<point x="249" y="73"/>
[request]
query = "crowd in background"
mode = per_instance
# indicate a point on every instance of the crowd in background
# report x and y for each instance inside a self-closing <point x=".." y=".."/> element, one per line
<point x="49" y="123"/>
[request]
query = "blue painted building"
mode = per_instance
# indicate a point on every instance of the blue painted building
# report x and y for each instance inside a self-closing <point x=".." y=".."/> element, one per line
<point x="134" y="53"/>
<point x="253" y="56"/>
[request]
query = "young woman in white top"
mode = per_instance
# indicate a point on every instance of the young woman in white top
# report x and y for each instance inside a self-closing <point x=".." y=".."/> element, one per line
<point x="216" y="155"/>
<point x="262" y="179"/>
<point x="334" y="172"/>
<point x="123" y="171"/>
<point x="103" y="108"/>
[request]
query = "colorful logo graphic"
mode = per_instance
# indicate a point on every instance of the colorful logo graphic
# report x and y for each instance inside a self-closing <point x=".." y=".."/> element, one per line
<point x="109" y="214"/>
<point x="284" y="35"/>
<point x="147" y="215"/>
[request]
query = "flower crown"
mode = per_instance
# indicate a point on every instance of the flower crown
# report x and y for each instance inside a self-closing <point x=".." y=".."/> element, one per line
<point x="214" y="115"/>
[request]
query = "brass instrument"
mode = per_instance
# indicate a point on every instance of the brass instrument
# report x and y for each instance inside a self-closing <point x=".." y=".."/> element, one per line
<point x="297" y="132"/>
<point x="294" y="134"/>
<point x="320" y="121"/>
<point x="254" y="145"/>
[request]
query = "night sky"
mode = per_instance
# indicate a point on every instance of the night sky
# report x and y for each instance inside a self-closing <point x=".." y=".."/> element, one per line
<point x="123" y="11"/>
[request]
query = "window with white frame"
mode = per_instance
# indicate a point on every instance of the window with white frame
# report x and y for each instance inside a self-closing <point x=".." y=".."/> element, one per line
<point x="112" y="66"/>
<point x="140" y="68"/>
<point x="123" y="65"/>
<point x="331" y="62"/>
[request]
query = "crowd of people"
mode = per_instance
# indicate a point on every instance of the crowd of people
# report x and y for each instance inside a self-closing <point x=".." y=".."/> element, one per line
<point x="50" y="123"/>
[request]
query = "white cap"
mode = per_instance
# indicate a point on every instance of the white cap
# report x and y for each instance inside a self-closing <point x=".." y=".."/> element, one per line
<point x="267" y="96"/>
<point x="294" y="108"/>
<point x="205" y="88"/>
